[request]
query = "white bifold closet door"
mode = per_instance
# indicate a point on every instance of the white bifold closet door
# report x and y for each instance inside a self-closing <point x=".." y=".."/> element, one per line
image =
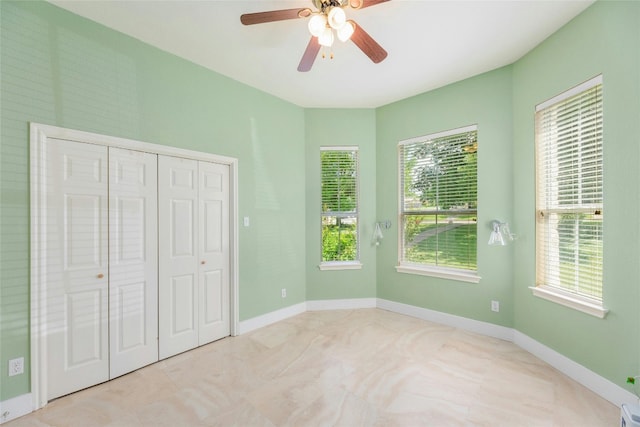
<point x="101" y="238"/>
<point x="193" y="216"/>
<point x="133" y="260"/>
<point x="213" y="209"/>
<point x="77" y="267"/>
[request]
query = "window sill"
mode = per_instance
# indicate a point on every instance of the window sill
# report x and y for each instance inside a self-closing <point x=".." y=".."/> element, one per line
<point x="340" y="265"/>
<point x="584" y="305"/>
<point x="443" y="273"/>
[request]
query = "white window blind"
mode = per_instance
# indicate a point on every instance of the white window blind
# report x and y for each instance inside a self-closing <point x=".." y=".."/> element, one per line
<point x="569" y="182"/>
<point x="339" y="181"/>
<point x="439" y="185"/>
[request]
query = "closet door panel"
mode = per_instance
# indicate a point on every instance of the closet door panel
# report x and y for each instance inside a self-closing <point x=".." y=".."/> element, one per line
<point x="76" y="266"/>
<point x="214" y="251"/>
<point x="181" y="316"/>
<point x="133" y="252"/>
<point x="178" y="245"/>
<point x="213" y="291"/>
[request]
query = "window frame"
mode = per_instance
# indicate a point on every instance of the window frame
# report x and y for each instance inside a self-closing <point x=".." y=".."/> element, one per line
<point x="337" y="264"/>
<point x="555" y="293"/>
<point x="409" y="267"/>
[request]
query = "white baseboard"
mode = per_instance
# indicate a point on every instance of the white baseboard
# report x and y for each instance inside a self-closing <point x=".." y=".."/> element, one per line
<point x="271" y="317"/>
<point x="284" y="313"/>
<point x="15" y="407"/>
<point x="22" y="405"/>
<point x="341" y="304"/>
<point x="594" y="382"/>
<point x="483" y="328"/>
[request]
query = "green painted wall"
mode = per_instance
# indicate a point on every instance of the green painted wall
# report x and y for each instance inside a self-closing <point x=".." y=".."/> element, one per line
<point x="63" y="70"/>
<point x="60" y="69"/>
<point x="341" y="127"/>
<point x="605" y="39"/>
<point x="484" y="100"/>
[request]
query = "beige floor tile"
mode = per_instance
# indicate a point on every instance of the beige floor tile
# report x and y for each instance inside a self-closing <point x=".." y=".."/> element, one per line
<point x="240" y="415"/>
<point x="347" y="368"/>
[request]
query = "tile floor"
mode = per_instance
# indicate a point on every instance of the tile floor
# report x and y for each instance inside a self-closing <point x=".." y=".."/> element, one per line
<point x="346" y="368"/>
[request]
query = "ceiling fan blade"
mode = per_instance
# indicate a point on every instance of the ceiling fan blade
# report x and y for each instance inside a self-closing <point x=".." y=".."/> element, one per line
<point x="272" y="15"/>
<point x="368" y="45"/>
<point x="359" y="4"/>
<point x="309" y="55"/>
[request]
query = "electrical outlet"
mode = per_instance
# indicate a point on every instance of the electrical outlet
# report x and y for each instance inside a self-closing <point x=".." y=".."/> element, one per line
<point x="284" y="292"/>
<point x="495" y="306"/>
<point x="16" y="366"/>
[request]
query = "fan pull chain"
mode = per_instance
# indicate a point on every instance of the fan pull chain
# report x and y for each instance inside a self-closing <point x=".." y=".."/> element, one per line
<point x="324" y="53"/>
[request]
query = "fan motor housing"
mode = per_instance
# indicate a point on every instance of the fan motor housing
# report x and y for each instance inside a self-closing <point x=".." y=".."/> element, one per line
<point x="321" y="5"/>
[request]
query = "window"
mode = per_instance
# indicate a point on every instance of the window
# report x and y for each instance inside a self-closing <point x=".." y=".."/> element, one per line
<point x="339" y="219"/>
<point x="438" y="204"/>
<point x="569" y="206"/>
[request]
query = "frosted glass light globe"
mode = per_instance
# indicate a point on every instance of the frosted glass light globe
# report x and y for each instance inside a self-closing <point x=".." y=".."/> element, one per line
<point x="346" y="31"/>
<point x="317" y="25"/>
<point x="336" y="18"/>
<point x="326" y="38"/>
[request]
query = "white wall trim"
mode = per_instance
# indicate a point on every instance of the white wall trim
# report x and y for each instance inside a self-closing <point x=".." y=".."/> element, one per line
<point x="483" y="328"/>
<point x="340" y="265"/>
<point x="293" y="310"/>
<point x="594" y="382"/>
<point x="341" y="304"/>
<point x="49" y="131"/>
<point x="271" y="317"/>
<point x="597" y="80"/>
<point x="440" y="272"/>
<point x="576" y="302"/>
<point x="15" y="407"/>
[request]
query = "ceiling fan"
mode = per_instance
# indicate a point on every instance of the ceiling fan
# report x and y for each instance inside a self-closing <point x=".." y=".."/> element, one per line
<point x="329" y="17"/>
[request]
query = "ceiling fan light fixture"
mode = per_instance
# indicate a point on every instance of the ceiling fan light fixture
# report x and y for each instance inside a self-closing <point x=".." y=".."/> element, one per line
<point x="336" y="18"/>
<point x="317" y="25"/>
<point x="327" y="20"/>
<point x="326" y="38"/>
<point x="346" y="31"/>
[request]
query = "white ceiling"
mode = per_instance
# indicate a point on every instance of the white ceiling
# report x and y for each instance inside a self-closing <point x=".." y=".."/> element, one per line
<point x="431" y="43"/>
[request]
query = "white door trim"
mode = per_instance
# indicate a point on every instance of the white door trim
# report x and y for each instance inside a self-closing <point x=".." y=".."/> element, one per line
<point x="39" y="134"/>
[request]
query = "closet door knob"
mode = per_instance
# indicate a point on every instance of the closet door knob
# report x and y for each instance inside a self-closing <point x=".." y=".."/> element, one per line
<point x="100" y="276"/>
<point x="203" y="262"/>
